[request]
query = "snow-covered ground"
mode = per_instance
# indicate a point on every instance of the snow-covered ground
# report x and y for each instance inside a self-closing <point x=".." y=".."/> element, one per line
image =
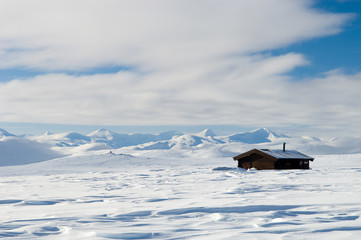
<point x="181" y="194"/>
<point x="193" y="192"/>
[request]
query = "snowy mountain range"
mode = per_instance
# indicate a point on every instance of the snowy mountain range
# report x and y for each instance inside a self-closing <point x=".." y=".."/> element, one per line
<point x="16" y="150"/>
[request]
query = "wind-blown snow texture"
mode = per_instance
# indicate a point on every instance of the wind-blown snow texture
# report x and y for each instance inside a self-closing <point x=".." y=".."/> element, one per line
<point x="189" y="190"/>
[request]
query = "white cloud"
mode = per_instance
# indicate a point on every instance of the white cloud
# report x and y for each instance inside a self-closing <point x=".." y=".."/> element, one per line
<point x="198" y="62"/>
<point x="254" y="91"/>
<point x="153" y="34"/>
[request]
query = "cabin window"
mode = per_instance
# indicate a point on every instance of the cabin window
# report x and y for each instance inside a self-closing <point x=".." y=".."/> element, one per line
<point x="304" y="164"/>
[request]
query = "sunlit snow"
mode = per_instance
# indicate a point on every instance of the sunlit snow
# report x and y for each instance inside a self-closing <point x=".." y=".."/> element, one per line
<point x="193" y="191"/>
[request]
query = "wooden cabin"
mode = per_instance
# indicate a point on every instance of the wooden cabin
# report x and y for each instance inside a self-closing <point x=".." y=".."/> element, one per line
<point x="262" y="159"/>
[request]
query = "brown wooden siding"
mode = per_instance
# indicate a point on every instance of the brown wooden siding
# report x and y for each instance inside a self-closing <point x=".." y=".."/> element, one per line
<point x="264" y="163"/>
<point x="292" y="164"/>
<point x="256" y="161"/>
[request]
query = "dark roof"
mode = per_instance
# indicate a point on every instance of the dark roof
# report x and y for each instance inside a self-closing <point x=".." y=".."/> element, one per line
<point x="278" y="154"/>
<point x="288" y="154"/>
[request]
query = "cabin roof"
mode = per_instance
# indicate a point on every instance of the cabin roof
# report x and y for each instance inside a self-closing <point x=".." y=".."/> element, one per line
<point x="287" y="154"/>
<point x="277" y="154"/>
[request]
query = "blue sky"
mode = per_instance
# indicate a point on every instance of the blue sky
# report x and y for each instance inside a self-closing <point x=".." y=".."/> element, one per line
<point x="339" y="51"/>
<point x="292" y="66"/>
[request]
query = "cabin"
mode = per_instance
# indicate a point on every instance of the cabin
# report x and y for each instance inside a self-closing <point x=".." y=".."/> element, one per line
<point x="263" y="159"/>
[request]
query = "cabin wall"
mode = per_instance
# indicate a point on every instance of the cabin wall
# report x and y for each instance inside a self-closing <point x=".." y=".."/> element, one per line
<point x="264" y="163"/>
<point x="292" y="164"/>
<point x="258" y="162"/>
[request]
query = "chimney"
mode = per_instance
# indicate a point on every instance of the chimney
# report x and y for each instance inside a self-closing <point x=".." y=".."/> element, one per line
<point x="284" y="147"/>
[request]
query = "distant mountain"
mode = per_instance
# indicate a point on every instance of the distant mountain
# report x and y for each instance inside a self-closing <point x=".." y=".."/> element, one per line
<point x="5" y="133"/>
<point x="206" y="133"/>
<point x="102" y="139"/>
<point x="102" y="134"/>
<point x="260" y="135"/>
<point x="67" y="139"/>
<point x="116" y="140"/>
<point x="19" y="151"/>
<point x="168" y="134"/>
<point x="185" y="141"/>
<point x="164" y="140"/>
<point x="77" y="137"/>
<point x="349" y="144"/>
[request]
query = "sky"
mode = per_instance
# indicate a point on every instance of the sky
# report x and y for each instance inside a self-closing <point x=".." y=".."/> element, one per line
<point x="289" y="65"/>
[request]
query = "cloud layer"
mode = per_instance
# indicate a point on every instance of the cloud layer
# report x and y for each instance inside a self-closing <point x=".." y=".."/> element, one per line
<point x="82" y="34"/>
<point x="191" y="62"/>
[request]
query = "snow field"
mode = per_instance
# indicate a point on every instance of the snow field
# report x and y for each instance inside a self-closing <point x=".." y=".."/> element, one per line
<point x="179" y="195"/>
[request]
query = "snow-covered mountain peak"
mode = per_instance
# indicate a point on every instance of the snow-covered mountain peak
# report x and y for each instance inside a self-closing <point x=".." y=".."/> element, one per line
<point x="267" y="132"/>
<point x="206" y="133"/>
<point x="185" y="141"/>
<point x="101" y="133"/>
<point x="259" y="135"/>
<point x="263" y="131"/>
